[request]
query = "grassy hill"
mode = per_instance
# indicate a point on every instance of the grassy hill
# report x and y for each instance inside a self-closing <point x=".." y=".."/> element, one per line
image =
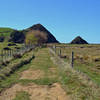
<point x="38" y="30"/>
<point x="5" y="31"/>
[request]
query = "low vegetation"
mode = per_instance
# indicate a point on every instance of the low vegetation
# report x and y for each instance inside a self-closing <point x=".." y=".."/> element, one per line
<point x="12" y="67"/>
<point x="22" y="95"/>
<point x="5" y="34"/>
<point x="46" y="70"/>
<point x="5" y="31"/>
<point x="19" y="36"/>
<point x="86" y="59"/>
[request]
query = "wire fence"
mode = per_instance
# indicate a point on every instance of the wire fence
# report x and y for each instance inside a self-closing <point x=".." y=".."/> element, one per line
<point x="66" y="65"/>
<point x="58" y="51"/>
<point x="8" y="54"/>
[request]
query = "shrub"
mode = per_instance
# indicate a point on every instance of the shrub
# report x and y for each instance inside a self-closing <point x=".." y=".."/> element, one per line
<point x="7" y="48"/>
<point x="96" y="59"/>
<point x="4" y="63"/>
<point x="12" y="44"/>
<point x="17" y="47"/>
<point x="17" y="56"/>
<point x="17" y="37"/>
<point x="2" y="38"/>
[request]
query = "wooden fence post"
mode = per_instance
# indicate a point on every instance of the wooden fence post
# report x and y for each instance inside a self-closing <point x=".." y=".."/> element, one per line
<point x="55" y="48"/>
<point x="60" y="52"/>
<point x="2" y="55"/>
<point x="10" y="53"/>
<point x="72" y="59"/>
<point x="13" y="52"/>
<point x="6" y="55"/>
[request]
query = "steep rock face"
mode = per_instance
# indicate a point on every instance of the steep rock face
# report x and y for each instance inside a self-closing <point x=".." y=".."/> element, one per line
<point x="79" y="40"/>
<point x="38" y="27"/>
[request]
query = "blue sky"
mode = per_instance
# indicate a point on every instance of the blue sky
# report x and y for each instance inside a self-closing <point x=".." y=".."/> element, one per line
<point x="66" y="19"/>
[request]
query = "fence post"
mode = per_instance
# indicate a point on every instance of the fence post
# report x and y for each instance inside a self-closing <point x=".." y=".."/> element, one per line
<point x="55" y="48"/>
<point x="12" y="53"/>
<point x="60" y="52"/>
<point x="6" y="55"/>
<point x="72" y="59"/>
<point x="2" y="55"/>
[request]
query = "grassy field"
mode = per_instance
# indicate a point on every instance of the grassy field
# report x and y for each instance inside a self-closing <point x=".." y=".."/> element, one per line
<point x="86" y="59"/>
<point x="43" y="72"/>
<point x="5" y="44"/>
<point x="5" y="31"/>
<point x="13" y="65"/>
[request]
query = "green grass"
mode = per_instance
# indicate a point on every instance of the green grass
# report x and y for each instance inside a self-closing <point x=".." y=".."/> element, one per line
<point x="95" y="76"/>
<point x="70" y="82"/>
<point x="41" y="81"/>
<point x="13" y="78"/>
<point x="22" y="95"/>
<point x="5" y="31"/>
<point x="73" y="83"/>
<point x="9" y="81"/>
<point x="5" y="44"/>
<point x="84" y="59"/>
<point x="44" y="60"/>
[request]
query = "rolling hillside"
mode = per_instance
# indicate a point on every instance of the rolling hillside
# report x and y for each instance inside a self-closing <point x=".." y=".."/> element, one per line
<point x="5" y="31"/>
<point x="5" y="34"/>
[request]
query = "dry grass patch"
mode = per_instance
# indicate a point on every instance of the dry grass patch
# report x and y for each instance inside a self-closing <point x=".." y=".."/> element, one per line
<point x="53" y="70"/>
<point x="32" y="74"/>
<point x="36" y="92"/>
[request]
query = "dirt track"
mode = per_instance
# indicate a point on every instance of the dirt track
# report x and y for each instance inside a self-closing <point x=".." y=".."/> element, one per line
<point x="36" y="92"/>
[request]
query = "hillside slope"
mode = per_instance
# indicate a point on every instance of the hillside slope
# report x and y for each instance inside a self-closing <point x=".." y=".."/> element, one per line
<point x="38" y="27"/>
<point x="5" y="31"/>
<point x="6" y="34"/>
<point x="79" y="40"/>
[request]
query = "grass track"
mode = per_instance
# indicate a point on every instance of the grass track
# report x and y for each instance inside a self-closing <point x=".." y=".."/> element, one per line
<point x="69" y="81"/>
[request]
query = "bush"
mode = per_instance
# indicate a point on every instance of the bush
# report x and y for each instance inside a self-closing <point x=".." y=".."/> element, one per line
<point x="96" y="58"/>
<point x="44" y="46"/>
<point x="5" y="63"/>
<point x="12" y="44"/>
<point x="2" y="38"/>
<point x="17" y="37"/>
<point x="17" y="47"/>
<point x="7" y="48"/>
<point x="17" y="56"/>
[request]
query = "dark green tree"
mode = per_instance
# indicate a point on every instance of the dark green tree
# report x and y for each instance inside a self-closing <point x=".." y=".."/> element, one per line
<point x="17" y="37"/>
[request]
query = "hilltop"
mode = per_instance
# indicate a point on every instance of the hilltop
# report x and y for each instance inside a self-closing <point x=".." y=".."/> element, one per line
<point x="79" y="40"/>
<point x="40" y="28"/>
<point x="6" y="34"/>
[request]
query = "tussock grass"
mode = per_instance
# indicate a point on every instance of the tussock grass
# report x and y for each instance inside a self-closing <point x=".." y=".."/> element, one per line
<point x="22" y="95"/>
<point x="72" y="82"/>
<point x="86" y="59"/>
<point x="41" y="81"/>
<point x="14" y="65"/>
<point x="77" y="85"/>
